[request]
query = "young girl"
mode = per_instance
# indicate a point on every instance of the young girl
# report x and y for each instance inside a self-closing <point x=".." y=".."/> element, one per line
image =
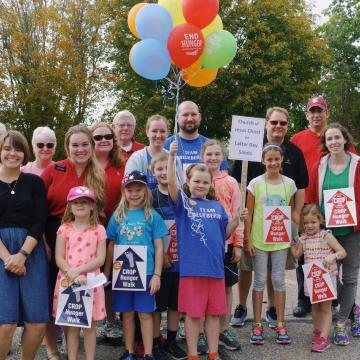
<point x="269" y="189"/>
<point x="80" y="249"/>
<point x="202" y="229"/>
<point x="134" y="222"/>
<point x="227" y="192"/>
<point x="317" y="244"/>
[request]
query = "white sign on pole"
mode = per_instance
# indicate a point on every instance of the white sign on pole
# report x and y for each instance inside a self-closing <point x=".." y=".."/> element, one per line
<point x="246" y="138"/>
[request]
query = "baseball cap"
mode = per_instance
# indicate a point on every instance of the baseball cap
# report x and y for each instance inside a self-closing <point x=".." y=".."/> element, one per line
<point x="134" y="176"/>
<point x="80" y="192"/>
<point x="317" y="101"/>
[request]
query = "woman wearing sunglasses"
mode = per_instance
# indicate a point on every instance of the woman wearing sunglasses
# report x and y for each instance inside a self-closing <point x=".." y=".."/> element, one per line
<point x="44" y="145"/>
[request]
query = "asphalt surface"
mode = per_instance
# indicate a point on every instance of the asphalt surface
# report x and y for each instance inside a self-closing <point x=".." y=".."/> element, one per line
<point x="299" y="329"/>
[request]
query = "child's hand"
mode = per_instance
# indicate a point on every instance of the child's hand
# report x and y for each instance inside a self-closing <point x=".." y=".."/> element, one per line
<point x="329" y="260"/>
<point x="236" y="254"/>
<point x="249" y="248"/>
<point x="244" y="214"/>
<point x="154" y="284"/>
<point x="173" y="148"/>
<point x="81" y="280"/>
<point x="167" y="262"/>
<point x="72" y="274"/>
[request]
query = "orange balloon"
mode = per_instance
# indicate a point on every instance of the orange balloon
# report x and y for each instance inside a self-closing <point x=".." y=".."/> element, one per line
<point x="197" y="76"/>
<point x="132" y="16"/>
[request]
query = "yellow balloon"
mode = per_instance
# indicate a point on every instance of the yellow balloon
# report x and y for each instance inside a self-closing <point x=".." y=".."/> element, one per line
<point x="132" y="16"/>
<point x="197" y="76"/>
<point x="174" y="7"/>
<point x="215" y="25"/>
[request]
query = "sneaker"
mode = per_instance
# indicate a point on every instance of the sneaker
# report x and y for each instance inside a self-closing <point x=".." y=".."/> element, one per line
<point x="111" y="330"/>
<point x="214" y="356"/>
<point x="175" y="351"/>
<point x="148" y="357"/>
<point x="228" y="340"/>
<point x="239" y="317"/>
<point x="316" y="334"/>
<point x="159" y="353"/>
<point x="128" y="356"/>
<point x="271" y="317"/>
<point x="282" y="336"/>
<point x="355" y="324"/>
<point x="320" y="344"/>
<point x="181" y="332"/>
<point x="202" y="346"/>
<point x="340" y="335"/>
<point x="301" y="311"/>
<point x="257" y="335"/>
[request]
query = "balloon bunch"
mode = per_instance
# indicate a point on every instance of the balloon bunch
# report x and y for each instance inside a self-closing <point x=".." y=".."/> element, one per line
<point x="187" y="34"/>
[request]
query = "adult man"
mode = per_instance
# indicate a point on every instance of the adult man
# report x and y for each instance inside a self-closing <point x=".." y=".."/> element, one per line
<point x="190" y="141"/>
<point x="124" y="126"/>
<point x="294" y="167"/>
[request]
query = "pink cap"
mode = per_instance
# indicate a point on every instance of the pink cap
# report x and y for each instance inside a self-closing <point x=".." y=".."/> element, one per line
<point x="80" y="192"/>
<point x="317" y="101"/>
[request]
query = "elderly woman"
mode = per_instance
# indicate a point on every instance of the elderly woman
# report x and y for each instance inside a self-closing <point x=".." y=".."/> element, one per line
<point x="337" y="169"/>
<point x="24" y="294"/>
<point x="157" y="131"/>
<point x="44" y="145"/>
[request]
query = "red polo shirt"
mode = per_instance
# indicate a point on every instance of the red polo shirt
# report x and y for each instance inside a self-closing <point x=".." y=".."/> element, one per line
<point x="135" y="147"/>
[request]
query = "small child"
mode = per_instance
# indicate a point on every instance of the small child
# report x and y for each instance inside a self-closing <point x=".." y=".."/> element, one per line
<point x="167" y="296"/>
<point x="202" y="229"/>
<point x="81" y="248"/>
<point x="135" y="222"/>
<point x="317" y="244"/>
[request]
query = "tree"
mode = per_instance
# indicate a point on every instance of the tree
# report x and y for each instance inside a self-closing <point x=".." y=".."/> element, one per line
<point x="52" y="61"/>
<point x="279" y="63"/>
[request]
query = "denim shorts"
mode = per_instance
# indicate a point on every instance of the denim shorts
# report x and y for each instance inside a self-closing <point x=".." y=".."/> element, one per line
<point x="24" y="298"/>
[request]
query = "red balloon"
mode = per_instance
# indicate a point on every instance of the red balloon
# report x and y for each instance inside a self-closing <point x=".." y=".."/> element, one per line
<point x="185" y="44"/>
<point x="200" y="13"/>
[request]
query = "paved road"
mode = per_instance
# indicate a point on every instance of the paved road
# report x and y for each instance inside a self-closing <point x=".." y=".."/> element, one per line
<point x="299" y="329"/>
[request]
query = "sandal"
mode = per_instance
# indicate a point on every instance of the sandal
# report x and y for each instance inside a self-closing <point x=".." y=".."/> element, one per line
<point x="53" y="355"/>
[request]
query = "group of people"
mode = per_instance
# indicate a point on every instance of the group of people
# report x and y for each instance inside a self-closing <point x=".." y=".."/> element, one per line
<point x="60" y="221"/>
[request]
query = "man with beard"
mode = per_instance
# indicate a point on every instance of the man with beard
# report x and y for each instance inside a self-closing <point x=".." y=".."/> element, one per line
<point x="190" y="141"/>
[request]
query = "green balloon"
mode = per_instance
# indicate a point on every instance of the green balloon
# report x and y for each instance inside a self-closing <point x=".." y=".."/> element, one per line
<point x="220" y="49"/>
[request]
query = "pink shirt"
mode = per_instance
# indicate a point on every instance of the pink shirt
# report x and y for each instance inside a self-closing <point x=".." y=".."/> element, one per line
<point x="227" y="192"/>
<point x="31" y="168"/>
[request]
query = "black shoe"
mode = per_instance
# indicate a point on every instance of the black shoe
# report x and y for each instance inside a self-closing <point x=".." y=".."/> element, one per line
<point x="301" y="311"/>
<point x="175" y="351"/>
<point x="159" y="353"/>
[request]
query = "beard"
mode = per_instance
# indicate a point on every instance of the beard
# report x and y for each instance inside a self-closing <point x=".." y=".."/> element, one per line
<point x="192" y="130"/>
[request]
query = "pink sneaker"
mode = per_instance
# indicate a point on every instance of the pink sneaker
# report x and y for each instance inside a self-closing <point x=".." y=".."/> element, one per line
<point x="316" y="334"/>
<point x="320" y="344"/>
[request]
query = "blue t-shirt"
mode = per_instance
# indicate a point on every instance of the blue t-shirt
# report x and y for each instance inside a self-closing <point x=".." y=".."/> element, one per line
<point x="151" y="179"/>
<point x="189" y="151"/>
<point x="136" y="231"/>
<point x="161" y="203"/>
<point x="201" y="241"/>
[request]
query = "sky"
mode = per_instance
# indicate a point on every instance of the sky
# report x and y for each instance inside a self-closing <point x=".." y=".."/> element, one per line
<point x="319" y="7"/>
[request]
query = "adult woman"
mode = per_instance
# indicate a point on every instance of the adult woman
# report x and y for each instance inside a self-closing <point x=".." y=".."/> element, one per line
<point x="341" y="169"/>
<point x="157" y="130"/>
<point x="80" y="168"/>
<point x="44" y="145"/>
<point x="23" y="264"/>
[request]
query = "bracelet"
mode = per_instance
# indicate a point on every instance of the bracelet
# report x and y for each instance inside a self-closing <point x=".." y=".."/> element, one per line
<point x="24" y="252"/>
<point x="157" y="275"/>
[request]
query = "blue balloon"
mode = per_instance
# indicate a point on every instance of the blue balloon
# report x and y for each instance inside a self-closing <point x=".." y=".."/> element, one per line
<point x="150" y="59"/>
<point x="153" y="21"/>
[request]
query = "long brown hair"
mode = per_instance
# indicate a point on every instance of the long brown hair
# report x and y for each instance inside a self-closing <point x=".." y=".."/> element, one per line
<point x="345" y="133"/>
<point x="94" y="175"/>
<point x="69" y="217"/>
<point x="114" y="155"/>
<point x="18" y="141"/>
<point x="202" y="168"/>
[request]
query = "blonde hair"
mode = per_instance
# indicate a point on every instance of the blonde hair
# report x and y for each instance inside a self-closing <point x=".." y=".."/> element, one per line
<point x="121" y="210"/>
<point x="114" y="154"/>
<point x="69" y="217"/>
<point x="202" y="168"/>
<point x="212" y="142"/>
<point x="310" y="209"/>
<point x="162" y="156"/>
<point x="156" y="117"/>
<point x="269" y="112"/>
<point x="94" y="175"/>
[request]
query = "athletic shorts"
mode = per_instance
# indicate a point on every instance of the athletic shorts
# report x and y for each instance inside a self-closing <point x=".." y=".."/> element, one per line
<point x="230" y="269"/>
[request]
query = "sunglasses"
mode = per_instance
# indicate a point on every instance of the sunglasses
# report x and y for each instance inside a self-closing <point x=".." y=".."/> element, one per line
<point x="277" y="122"/>
<point x="42" y="145"/>
<point x="106" y="137"/>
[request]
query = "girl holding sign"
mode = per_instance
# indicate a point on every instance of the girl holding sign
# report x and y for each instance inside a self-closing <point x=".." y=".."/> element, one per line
<point x="317" y="244"/>
<point x="80" y="248"/>
<point x="338" y="173"/>
<point x="267" y="236"/>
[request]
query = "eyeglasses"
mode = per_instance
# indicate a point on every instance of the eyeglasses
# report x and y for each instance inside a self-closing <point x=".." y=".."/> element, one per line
<point x="48" y="145"/>
<point x="316" y="110"/>
<point x="124" y="125"/>
<point x="277" y="122"/>
<point x="106" y="137"/>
